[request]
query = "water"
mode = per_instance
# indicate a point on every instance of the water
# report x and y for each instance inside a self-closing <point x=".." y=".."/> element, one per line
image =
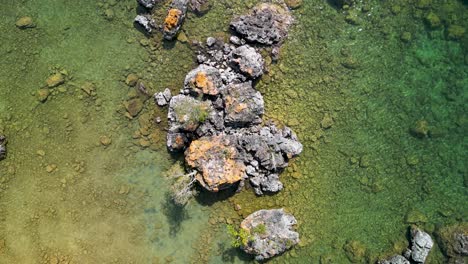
<point x="357" y="180"/>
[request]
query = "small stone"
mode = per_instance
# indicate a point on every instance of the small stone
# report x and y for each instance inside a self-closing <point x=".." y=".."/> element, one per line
<point x="293" y="4"/>
<point x="364" y="162"/>
<point x="55" y="80"/>
<point x="105" y="140"/>
<point x="415" y="217"/>
<point x="327" y="121"/>
<point x="51" y="167"/>
<point x="132" y="79"/>
<point x="134" y="106"/>
<point x="406" y="37"/>
<point x="43" y="94"/>
<point x="25" y="22"/>
<point x="432" y="20"/>
<point x="355" y="251"/>
<point x="88" y="88"/>
<point x="41" y="153"/>
<point x="455" y="32"/>
<point x="412" y="160"/>
<point x="182" y="37"/>
<point x="144" y="143"/>
<point x="235" y="40"/>
<point x="420" y="129"/>
<point x="109" y="14"/>
<point x="210" y="41"/>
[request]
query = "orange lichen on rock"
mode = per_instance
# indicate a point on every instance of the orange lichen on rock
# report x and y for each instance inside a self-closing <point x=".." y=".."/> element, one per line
<point x="172" y="19"/>
<point x="215" y="159"/>
<point x="204" y="82"/>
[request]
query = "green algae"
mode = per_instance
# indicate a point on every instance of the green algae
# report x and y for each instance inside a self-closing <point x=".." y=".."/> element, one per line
<point x="351" y="92"/>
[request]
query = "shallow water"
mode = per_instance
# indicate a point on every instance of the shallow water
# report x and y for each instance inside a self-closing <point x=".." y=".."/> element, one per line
<point x="65" y="197"/>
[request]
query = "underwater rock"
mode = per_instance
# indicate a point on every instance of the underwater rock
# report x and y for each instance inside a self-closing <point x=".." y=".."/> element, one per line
<point x="271" y="233"/>
<point x="455" y="32"/>
<point x="248" y="61"/>
<point x="420" y="129"/>
<point x="134" y="106"/>
<point x="200" y="7"/>
<point x="203" y="80"/>
<point x="243" y="105"/>
<point x="421" y="245"/>
<point x="397" y="259"/>
<point x="163" y="98"/>
<point x="355" y="251"/>
<point x="3" y="150"/>
<point x="216" y="160"/>
<point x="293" y="4"/>
<point x="146" y="22"/>
<point x="175" y="18"/>
<point x="148" y="3"/>
<point x="266" y="24"/>
<point x="43" y="94"/>
<point x="25" y="22"/>
<point x="453" y="240"/>
<point x="55" y="80"/>
<point x="132" y="79"/>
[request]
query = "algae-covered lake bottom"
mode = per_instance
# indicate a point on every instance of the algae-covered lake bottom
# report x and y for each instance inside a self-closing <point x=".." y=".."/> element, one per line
<point x="85" y="183"/>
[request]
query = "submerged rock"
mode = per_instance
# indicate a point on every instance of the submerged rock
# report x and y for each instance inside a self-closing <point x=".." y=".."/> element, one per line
<point x="421" y="245"/>
<point x="216" y="160"/>
<point x="148" y="3"/>
<point x="397" y="259"/>
<point x="175" y="18"/>
<point x="204" y="80"/>
<point x="267" y="24"/>
<point x="200" y="7"/>
<point x="3" y="150"/>
<point x="25" y="22"/>
<point x="453" y="240"/>
<point x="163" y="98"/>
<point x="248" y="61"/>
<point x="146" y="22"/>
<point x="271" y="233"/>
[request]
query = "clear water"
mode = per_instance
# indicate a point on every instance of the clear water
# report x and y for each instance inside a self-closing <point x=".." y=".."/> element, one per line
<point x="64" y="197"/>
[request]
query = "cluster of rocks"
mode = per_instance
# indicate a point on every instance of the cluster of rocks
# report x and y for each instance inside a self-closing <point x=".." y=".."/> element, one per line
<point x="270" y="233"/>
<point x="3" y="150"/>
<point x="175" y="15"/>
<point x="421" y="245"/>
<point x="218" y="114"/>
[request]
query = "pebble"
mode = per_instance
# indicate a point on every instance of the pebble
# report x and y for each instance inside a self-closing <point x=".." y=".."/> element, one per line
<point x="51" y="167"/>
<point x="25" y="22"/>
<point x="132" y="79"/>
<point x="327" y="121"/>
<point x="43" y="94"/>
<point x="105" y="141"/>
<point x="210" y="41"/>
<point x="55" y="80"/>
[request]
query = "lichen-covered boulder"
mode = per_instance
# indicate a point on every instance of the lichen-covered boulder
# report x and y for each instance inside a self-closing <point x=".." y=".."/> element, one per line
<point x="203" y="80"/>
<point x="397" y="259"/>
<point x="175" y="18"/>
<point x="248" y="61"/>
<point x="271" y="233"/>
<point x="187" y="113"/>
<point x="421" y="245"/>
<point x="243" y="105"/>
<point x="453" y="240"/>
<point x="216" y="160"/>
<point x="3" y="150"/>
<point x="267" y="24"/>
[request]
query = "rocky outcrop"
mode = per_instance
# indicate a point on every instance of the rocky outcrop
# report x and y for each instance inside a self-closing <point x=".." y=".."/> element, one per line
<point x="175" y="18"/>
<point x="3" y="150"/>
<point x="397" y="259"/>
<point x="271" y="233"/>
<point x="453" y="240"/>
<point x="248" y="61"/>
<point x="216" y="160"/>
<point x="146" y="22"/>
<point x="421" y="245"/>
<point x="267" y="24"/>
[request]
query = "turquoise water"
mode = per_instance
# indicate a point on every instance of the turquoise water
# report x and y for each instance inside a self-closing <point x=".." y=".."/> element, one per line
<point x="64" y="196"/>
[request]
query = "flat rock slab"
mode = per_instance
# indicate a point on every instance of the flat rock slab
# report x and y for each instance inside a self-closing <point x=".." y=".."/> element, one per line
<point x="271" y="233"/>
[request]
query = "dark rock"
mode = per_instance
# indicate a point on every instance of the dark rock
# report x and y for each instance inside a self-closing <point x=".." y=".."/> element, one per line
<point x="204" y="80"/>
<point x="146" y="22"/>
<point x="243" y="105"/>
<point x="177" y="141"/>
<point x="175" y="18"/>
<point x="397" y="259"/>
<point x="163" y="98"/>
<point x="267" y="24"/>
<point x="200" y="7"/>
<point x="216" y="160"/>
<point x="148" y="3"/>
<point x="271" y="233"/>
<point x="134" y="106"/>
<point x="421" y="245"/>
<point x="248" y="61"/>
<point x="3" y="150"/>
<point x="453" y="240"/>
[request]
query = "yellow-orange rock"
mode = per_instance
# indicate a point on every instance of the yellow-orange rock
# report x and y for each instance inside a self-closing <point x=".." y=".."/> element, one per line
<point x="215" y="160"/>
<point x="172" y="19"/>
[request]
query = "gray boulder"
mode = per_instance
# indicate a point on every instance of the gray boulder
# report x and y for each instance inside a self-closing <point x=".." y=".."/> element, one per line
<point x="243" y="105"/>
<point x="203" y="80"/>
<point x="148" y="3"/>
<point x="175" y="18"/>
<point x="3" y="150"/>
<point x="163" y="98"/>
<point x="267" y="24"/>
<point x="146" y="22"/>
<point x="271" y="233"/>
<point x="248" y="61"/>
<point x="397" y="259"/>
<point x="421" y="245"/>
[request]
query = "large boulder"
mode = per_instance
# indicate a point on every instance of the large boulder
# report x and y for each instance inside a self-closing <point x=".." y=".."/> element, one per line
<point x="203" y="80"/>
<point x="453" y="240"/>
<point x="271" y="233"/>
<point x="421" y="245"/>
<point x="174" y="18"/>
<point x="3" y="150"/>
<point x="187" y="113"/>
<point x="243" y="105"/>
<point x="248" y="61"/>
<point x="216" y="160"/>
<point x="267" y="24"/>
<point x="397" y="259"/>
